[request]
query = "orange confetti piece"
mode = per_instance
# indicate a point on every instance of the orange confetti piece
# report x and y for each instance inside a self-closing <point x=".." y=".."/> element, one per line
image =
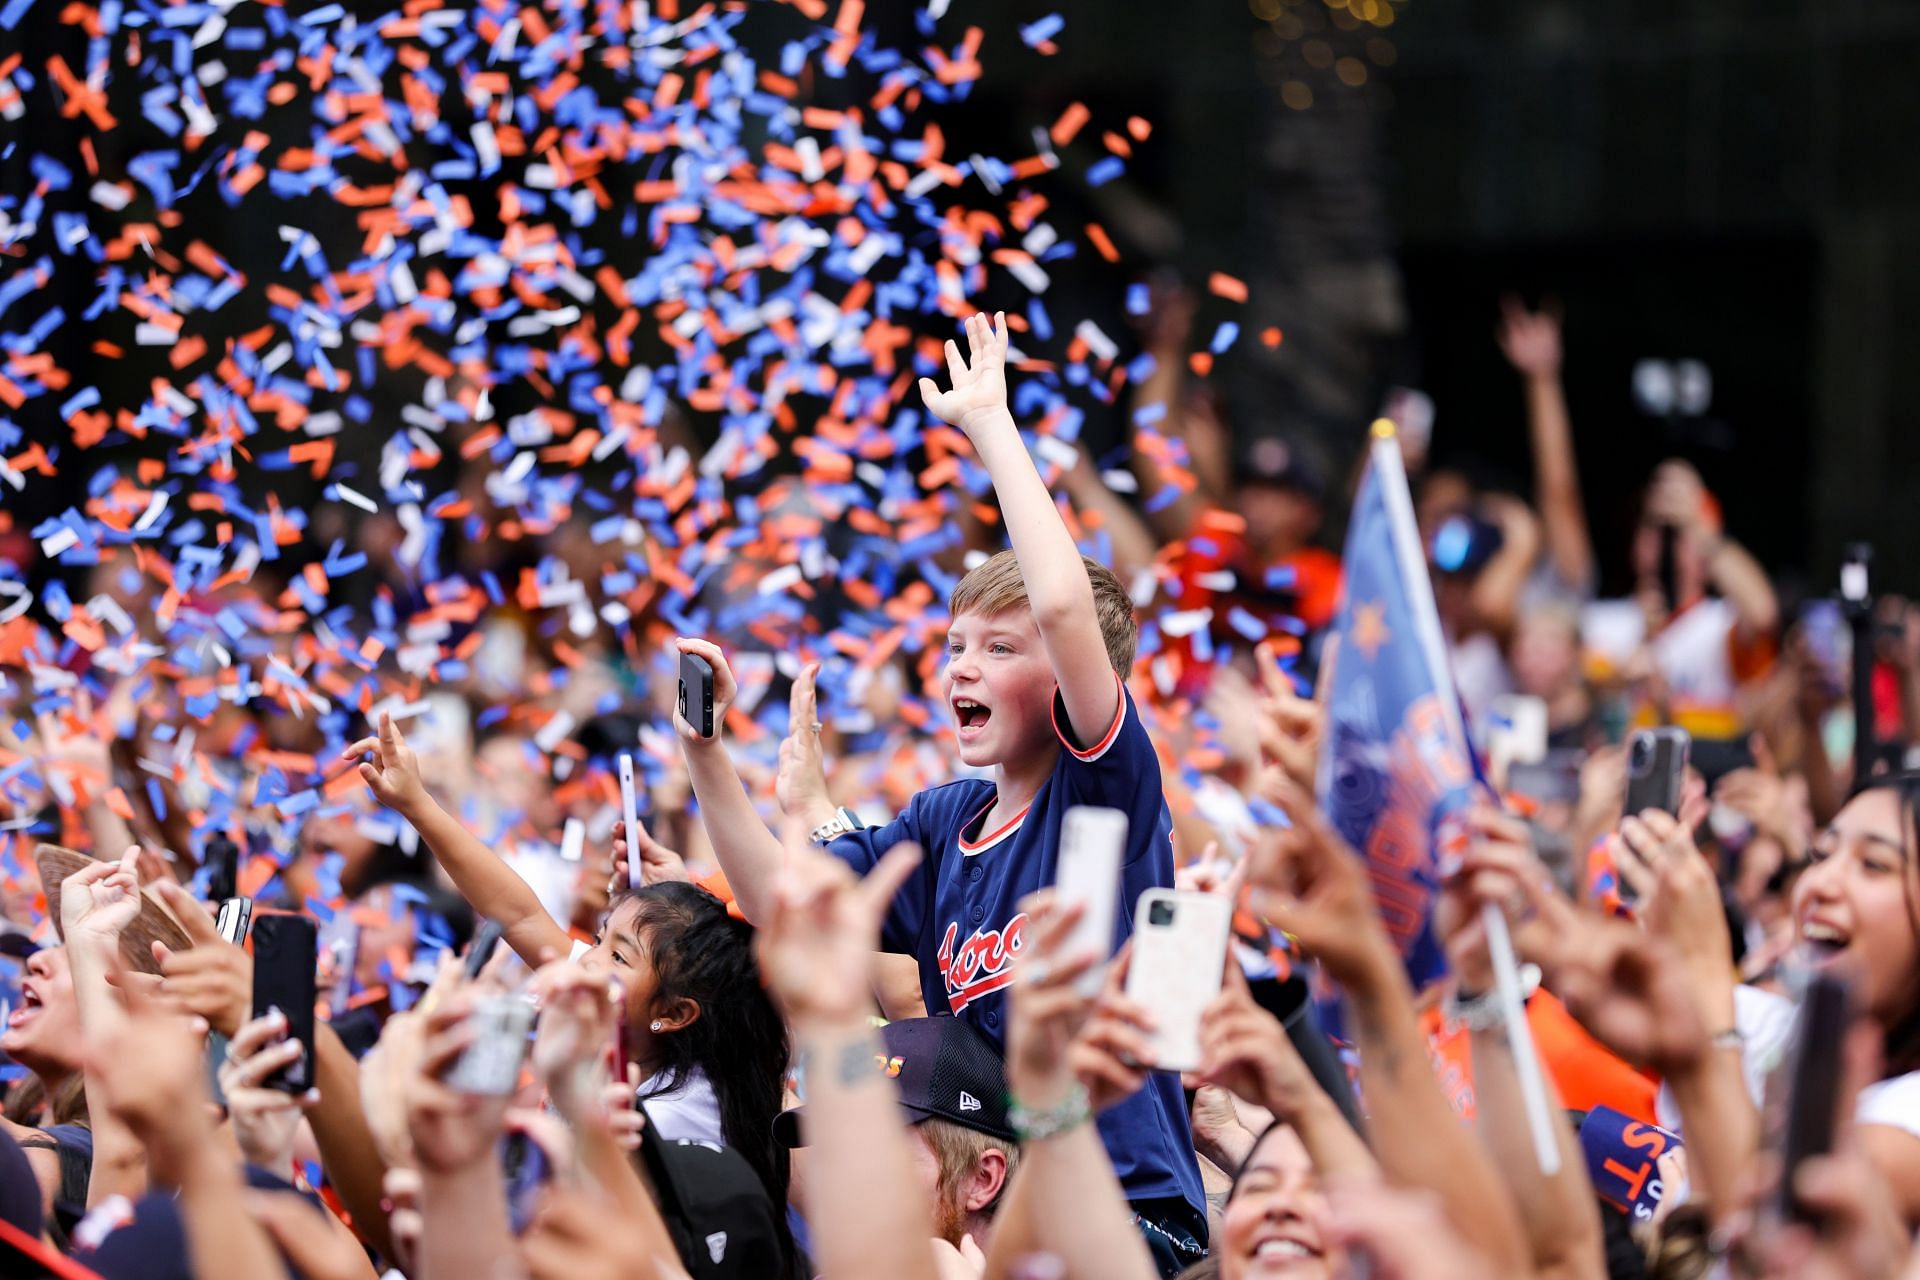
<point x="1229" y="287"/>
<point x="1070" y="123"/>
<point x="1097" y="237"/>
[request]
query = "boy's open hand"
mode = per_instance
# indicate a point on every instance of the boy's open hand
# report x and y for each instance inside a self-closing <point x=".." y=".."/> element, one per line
<point x="979" y="383"/>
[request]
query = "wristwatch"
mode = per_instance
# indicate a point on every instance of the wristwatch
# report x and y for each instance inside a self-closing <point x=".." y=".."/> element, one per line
<point x="843" y="822"/>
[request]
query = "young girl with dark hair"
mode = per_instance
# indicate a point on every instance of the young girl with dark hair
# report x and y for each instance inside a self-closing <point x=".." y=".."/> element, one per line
<point x="711" y="1048"/>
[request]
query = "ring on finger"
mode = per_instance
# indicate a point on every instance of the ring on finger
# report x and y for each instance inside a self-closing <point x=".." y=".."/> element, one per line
<point x="817" y="726"/>
<point x="1038" y="972"/>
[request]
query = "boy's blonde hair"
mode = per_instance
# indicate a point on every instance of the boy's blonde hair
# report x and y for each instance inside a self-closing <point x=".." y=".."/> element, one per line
<point x="996" y="586"/>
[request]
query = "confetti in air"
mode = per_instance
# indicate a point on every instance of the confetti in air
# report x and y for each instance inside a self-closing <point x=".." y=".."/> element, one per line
<point x="602" y="316"/>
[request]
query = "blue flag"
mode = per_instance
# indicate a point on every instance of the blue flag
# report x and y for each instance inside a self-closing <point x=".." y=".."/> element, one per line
<point x="1397" y="774"/>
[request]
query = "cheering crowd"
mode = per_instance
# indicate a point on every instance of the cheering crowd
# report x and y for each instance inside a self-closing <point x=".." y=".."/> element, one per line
<point x="825" y="1012"/>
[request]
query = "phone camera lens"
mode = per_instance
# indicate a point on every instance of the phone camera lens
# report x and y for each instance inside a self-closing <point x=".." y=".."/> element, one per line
<point x="1160" y="914"/>
<point x="1642" y="753"/>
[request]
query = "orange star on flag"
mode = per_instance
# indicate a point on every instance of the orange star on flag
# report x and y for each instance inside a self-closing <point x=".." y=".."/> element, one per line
<point x="1370" y="628"/>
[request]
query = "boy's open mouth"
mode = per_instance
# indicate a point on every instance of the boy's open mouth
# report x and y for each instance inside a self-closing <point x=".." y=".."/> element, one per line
<point x="970" y="714"/>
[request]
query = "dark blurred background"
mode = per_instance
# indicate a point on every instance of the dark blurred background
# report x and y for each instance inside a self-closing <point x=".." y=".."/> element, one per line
<point x="1731" y="181"/>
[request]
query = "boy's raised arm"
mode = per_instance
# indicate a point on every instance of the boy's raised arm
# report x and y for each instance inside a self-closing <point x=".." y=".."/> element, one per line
<point x="1058" y="588"/>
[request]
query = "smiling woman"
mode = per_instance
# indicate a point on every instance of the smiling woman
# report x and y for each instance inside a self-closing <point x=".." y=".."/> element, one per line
<point x="1275" y="1219"/>
<point x="1857" y="906"/>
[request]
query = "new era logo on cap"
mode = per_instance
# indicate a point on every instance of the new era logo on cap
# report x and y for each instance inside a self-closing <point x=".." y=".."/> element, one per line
<point x="944" y="1069"/>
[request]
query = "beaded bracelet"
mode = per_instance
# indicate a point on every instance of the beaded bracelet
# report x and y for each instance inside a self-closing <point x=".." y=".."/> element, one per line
<point x="1070" y="1112"/>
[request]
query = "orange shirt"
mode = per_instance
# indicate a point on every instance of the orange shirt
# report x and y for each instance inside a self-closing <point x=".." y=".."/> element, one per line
<point x="1584" y="1072"/>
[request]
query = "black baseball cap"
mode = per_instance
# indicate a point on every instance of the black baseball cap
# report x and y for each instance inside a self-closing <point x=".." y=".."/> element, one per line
<point x="945" y="1070"/>
<point x="1276" y="461"/>
<point x="722" y="1220"/>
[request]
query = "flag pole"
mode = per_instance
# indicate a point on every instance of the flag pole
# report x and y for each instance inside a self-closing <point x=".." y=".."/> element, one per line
<point x="1392" y="471"/>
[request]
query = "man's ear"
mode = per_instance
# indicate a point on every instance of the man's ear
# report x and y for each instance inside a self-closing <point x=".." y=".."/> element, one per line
<point x="988" y="1181"/>
<point x="676" y="1014"/>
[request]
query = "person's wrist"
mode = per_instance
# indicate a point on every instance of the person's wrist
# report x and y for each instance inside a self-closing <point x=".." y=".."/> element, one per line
<point x="818" y="1023"/>
<point x="1369" y="967"/>
<point x="817" y="811"/>
<point x="994" y="422"/>
<point x="1042" y="1089"/>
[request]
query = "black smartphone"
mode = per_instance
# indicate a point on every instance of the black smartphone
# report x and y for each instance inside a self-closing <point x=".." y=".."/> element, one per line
<point x="486" y="939"/>
<point x="528" y="1172"/>
<point x="1813" y="1085"/>
<point x="286" y="952"/>
<point x="223" y="865"/>
<point x="696" y="693"/>
<point x="1656" y="769"/>
<point x="1669" y="569"/>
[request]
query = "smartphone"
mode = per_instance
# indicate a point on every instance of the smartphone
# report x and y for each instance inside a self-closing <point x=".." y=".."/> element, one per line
<point x="1829" y="641"/>
<point x="1656" y="769"/>
<point x="223" y="865"/>
<point x="491" y="1064"/>
<point x="527" y="1172"/>
<point x="630" y="813"/>
<point x="696" y="693"/>
<point x="486" y="940"/>
<point x="1179" y="955"/>
<point x="340" y="947"/>
<point x="1092" y="842"/>
<point x="286" y="952"/>
<point x="1669" y="568"/>
<point x="1813" y="1085"/>
<point x="1554" y="779"/>
<point x="1516" y="735"/>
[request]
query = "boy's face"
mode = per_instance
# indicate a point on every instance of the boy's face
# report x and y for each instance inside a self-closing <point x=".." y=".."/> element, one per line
<point x="1000" y="687"/>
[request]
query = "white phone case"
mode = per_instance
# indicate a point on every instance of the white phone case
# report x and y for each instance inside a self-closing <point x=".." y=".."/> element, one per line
<point x="630" y="811"/>
<point x="1092" y="841"/>
<point x="1176" y="968"/>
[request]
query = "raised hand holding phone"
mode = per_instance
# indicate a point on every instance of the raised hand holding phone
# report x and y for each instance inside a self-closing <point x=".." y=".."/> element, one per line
<point x="1179" y="949"/>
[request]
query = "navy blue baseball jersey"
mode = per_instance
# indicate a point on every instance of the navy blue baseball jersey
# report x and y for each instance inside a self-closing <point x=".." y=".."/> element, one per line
<point x="959" y="914"/>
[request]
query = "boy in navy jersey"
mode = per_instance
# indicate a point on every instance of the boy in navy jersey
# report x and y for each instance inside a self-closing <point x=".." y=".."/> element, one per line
<point x="1039" y="643"/>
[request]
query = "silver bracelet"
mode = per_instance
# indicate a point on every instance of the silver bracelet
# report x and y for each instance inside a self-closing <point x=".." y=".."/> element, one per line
<point x="1483" y="1012"/>
<point x="1070" y="1112"/>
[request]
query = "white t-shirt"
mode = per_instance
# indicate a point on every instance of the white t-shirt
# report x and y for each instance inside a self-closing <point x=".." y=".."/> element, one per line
<point x="1766" y="1025"/>
<point x="1894" y="1102"/>
<point x="689" y="1113"/>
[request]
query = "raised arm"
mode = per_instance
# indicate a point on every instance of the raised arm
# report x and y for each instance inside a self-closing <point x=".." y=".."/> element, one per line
<point x="1058" y="588"/>
<point x="747" y="851"/>
<point x="1531" y="342"/>
<point x="816" y="951"/>
<point x="97" y="903"/>
<point x="146" y="1072"/>
<point x="348" y="1151"/>
<point x="1246" y="1049"/>
<point x="1312" y="886"/>
<point x="1065" y="1198"/>
<point x="1678" y="497"/>
<point x="483" y="879"/>
<point x="1558" y="1213"/>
